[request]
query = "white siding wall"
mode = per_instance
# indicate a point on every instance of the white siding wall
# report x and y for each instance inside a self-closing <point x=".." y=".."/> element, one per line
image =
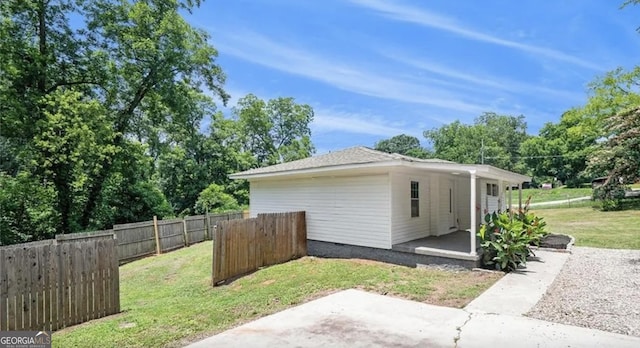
<point x="404" y="227"/>
<point x="348" y="210"/>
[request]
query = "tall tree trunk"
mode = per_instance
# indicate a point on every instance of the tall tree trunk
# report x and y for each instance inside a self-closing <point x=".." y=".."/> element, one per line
<point x="64" y="200"/>
<point x="121" y="127"/>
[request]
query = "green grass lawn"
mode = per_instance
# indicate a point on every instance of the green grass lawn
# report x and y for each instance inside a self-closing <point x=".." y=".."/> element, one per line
<point x="594" y="228"/>
<point x="555" y="194"/>
<point x="168" y="300"/>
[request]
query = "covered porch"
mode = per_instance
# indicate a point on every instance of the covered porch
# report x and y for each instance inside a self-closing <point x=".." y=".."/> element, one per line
<point x="459" y="199"/>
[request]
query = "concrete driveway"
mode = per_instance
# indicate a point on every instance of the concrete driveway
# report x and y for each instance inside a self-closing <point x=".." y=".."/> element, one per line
<point x="354" y="318"/>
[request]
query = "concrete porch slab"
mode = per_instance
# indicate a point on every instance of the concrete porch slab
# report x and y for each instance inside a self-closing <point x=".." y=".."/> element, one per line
<point x="457" y="241"/>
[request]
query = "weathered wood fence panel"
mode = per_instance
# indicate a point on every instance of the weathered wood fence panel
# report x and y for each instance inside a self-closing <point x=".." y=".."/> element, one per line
<point x="214" y="219"/>
<point x="135" y="240"/>
<point x="53" y="284"/>
<point x="242" y="246"/>
<point x="196" y="227"/>
<point x="171" y="234"/>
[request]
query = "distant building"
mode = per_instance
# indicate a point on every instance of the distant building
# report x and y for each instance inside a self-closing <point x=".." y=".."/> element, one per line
<point x="597" y="182"/>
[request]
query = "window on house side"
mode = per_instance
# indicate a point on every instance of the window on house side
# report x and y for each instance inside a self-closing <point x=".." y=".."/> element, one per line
<point x="415" y="199"/>
<point x="492" y="190"/>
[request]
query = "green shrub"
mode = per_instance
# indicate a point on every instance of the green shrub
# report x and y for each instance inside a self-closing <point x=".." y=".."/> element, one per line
<point x="213" y="199"/>
<point x="609" y="196"/>
<point x="507" y="237"/>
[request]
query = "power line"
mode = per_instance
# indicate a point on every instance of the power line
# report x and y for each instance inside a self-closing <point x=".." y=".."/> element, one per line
<point x="548" y="156"/>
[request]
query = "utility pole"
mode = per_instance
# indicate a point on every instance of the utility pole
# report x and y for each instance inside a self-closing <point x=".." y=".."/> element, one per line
<point x="482" y="151"/>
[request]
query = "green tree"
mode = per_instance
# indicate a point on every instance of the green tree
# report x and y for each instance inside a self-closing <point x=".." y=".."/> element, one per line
<point x="404" y="145"/>
<point x="214" y="199"/>
<point x="131" y="193"/>
<point x="561" y="150"/>
<point x="275" y="131"/>
<point x="187" y="166"/>
<point x="27" y="209"/>
<point x="584" y="135"/>
<point x="492" y="139"/>
<point x="619" y="156"/>
<point x="73" y="98"/>
<point x="72" y="140"/>
<point x="158" y="66"/>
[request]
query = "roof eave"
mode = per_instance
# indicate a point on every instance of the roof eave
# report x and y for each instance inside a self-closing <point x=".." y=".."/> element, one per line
<point x="485" y="171"/>
<point x="318" y="170"/>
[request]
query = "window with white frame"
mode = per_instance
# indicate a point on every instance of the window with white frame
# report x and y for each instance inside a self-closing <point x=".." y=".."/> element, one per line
<point x="415" y="199"/>
<point x="492" y="190"/>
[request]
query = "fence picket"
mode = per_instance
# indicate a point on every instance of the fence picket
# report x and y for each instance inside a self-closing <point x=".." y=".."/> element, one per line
<point x="22" y="281"/>
<point x="53" y="284"/>
<point x="34" y="272"/>
<point x="242" y="246"/>
<point x="48" y="285"/>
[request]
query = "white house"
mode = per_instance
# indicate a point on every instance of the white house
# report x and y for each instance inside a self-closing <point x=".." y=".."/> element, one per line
<point x="367" y="198"/>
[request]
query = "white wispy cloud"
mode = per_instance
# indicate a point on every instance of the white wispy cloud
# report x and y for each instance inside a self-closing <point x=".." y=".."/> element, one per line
<point x="479" y="80"/>
<point x="379" y="83"/>
<point x="328" y="120"/>
<point x="434" y="20"/>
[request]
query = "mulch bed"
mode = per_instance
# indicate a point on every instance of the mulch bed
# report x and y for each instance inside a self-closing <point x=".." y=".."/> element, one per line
<point x="555" y="241"/>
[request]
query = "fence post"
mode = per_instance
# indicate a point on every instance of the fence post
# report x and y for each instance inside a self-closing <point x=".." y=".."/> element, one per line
<point x="186" y="236"/>
<point x="155" y="230"/>
<point x="207" y="234"/>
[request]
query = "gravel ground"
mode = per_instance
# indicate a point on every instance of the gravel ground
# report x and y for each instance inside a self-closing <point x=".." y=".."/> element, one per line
<point x="597" y="289"/>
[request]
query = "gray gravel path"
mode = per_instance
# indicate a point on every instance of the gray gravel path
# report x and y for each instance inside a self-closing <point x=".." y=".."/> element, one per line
<point x="597" y="289"/>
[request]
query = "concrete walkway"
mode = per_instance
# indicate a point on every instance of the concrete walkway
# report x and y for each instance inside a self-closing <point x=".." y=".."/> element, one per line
<point x="517" y="292"/>
<point x="354" y="318"/>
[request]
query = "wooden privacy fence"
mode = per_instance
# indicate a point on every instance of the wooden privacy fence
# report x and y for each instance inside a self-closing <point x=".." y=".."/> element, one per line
<point x="140" y="239"/>
<point x="53" y="284"/>
<point x="242" y="246"/>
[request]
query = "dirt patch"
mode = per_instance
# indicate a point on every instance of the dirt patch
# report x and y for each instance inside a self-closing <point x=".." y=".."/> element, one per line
<point x="268" y="282"/>
<point x="366" y="262"/>
<point x="127" y="325"/>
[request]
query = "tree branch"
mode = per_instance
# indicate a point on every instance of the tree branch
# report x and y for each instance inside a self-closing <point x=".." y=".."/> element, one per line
<point x="73" y="83"/>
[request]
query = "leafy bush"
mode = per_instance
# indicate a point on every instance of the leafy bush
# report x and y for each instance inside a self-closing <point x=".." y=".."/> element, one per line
<point x="609" y="196"/>
<point x="214" y="199"/>
<point x="507" y="237"/>
<point x="27" y="209"/>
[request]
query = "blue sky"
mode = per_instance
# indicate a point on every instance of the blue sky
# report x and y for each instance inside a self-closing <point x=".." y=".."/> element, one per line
<point x="372" y="69"/>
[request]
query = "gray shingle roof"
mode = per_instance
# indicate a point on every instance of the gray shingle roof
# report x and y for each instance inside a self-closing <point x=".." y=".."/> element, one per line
<point x="353" y="155"/>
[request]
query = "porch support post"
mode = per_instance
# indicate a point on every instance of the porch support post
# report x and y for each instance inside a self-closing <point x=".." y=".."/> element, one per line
<point x="472" y="230"/>
<point x="519" y="196"/>
<point x="510" y="195"/>
<point x="501" y="195"/>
